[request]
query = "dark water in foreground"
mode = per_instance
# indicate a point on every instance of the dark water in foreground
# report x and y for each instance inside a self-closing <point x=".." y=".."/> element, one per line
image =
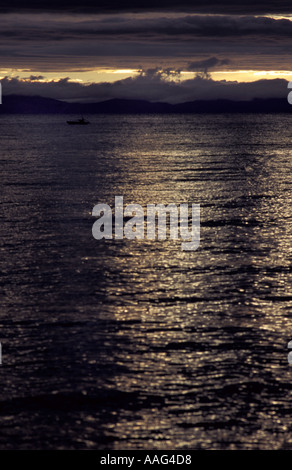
<point x="137" y="344"/>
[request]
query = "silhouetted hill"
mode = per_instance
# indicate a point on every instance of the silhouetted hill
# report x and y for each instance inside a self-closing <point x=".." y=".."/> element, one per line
<point x="14" y="104"/>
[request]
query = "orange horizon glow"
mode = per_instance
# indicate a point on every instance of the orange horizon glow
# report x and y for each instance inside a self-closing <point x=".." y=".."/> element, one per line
<point x="101" y="75"/>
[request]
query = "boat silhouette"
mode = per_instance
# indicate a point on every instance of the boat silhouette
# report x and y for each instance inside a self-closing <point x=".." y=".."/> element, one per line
<point x="81" y="121"/>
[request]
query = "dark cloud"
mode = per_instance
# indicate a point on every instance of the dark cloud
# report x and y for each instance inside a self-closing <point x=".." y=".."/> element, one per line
<point x="34" y="78"/>
<point x="13" y="28"/>
<point x="205" y="65"/>
<point x="78" y="56"/>
<point x="199" y="6"/>
<point x="152" y="85"/>
<point x="58" y="43"/>
<point x="62" y="43"/>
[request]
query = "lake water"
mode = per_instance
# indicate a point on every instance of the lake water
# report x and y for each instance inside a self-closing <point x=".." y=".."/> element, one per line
<point x="136" y="344"/>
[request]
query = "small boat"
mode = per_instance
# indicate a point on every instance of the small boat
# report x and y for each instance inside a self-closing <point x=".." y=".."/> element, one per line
<point x="81" y="121"/>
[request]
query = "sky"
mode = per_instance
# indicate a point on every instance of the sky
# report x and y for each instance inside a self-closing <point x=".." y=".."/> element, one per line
<point x="162" y="51"/>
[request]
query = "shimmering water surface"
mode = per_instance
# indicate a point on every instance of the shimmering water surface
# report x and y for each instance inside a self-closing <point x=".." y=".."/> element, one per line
<point x="126" y="344"/>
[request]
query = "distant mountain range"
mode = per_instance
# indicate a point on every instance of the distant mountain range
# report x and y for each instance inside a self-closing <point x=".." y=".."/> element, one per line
<point x="16" y="104"/>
